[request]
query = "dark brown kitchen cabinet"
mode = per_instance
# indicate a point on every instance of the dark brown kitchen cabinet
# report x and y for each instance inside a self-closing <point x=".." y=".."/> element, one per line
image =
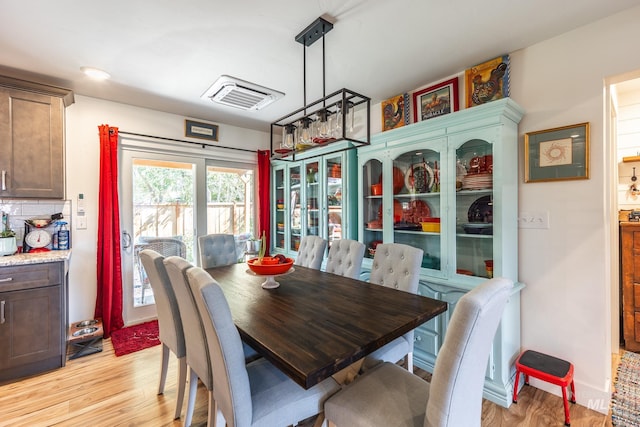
<point x="33" y="319"/>
<point x="630" y="256"/>
<point x="32" y="139"/>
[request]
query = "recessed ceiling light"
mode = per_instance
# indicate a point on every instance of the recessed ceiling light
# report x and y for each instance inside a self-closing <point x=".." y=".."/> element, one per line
<point x="95" y="73"/>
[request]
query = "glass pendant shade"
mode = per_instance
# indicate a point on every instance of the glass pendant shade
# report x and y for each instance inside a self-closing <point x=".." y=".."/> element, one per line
<point x="289" y="137"/>
<point x="305" y="136"/>
<point x="323" y="127"/>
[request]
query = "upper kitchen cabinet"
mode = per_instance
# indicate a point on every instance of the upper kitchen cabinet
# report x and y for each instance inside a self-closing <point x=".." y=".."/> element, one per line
<point x="310" y="197"/>
<point x="32" y="139"/>
<point x="448" y="186"/>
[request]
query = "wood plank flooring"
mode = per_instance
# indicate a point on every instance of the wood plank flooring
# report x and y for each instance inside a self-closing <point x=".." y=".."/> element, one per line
<point x="103" y="390"/>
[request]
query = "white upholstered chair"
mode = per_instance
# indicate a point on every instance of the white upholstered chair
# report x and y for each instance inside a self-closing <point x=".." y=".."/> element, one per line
<point x="388" y="395"/>
<point x="311" y="252"/>
<point x="171" y="333"/>
<point x="217" y="250"/>
<point x="345" y="258"/>
<point x="254" y="394"/>
<point x="397" y="266"/>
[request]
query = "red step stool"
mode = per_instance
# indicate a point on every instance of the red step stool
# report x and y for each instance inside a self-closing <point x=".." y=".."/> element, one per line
<point x="546" y="368"/>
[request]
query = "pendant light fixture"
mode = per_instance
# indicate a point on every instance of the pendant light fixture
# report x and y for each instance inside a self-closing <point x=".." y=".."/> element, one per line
<point x="340" y="119"/>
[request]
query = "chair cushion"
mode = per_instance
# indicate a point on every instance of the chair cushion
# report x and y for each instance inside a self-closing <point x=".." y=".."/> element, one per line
<point x="386" y="395"/>
<point x="279" y="401"/>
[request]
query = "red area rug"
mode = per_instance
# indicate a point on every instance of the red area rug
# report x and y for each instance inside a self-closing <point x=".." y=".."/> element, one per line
<point x="135" y="338"/>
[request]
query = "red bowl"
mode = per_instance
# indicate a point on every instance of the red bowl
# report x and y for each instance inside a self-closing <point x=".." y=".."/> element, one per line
<point x="269" y="269"/>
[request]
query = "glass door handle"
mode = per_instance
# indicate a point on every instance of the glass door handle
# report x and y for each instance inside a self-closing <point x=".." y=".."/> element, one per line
<point x="126" y="240"/>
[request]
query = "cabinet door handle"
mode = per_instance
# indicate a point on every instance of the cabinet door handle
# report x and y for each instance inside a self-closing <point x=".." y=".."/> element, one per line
<point x="4" y="180"/>
<point x="1" y="311"/>
<point x="8" y="279"/>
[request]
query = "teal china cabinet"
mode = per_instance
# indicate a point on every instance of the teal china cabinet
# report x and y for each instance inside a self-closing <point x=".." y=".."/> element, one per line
<point x="312" y="197"/>
<point x="448" y="185"/>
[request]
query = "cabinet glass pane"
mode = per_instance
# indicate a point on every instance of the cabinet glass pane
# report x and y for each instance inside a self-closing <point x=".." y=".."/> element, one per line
<point x="334" y="198"/>
<point x="372" y="205"/>
<point x="279" y="183"/>
<point x="312" y="193"/>
<point x="295" y="219"/>
<point x="416" y="203"/>
<point x="474" y="208"/>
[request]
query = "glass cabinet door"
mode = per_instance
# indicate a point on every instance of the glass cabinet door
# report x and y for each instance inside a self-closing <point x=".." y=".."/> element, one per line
<point x="474" y="208"/>
<point x="280" y="212"/>
<point x="416" y="202"/>
<point x="312" y="196"/>
<point x="372" y="206"/>
<point x="296" y="218"/>
<point x="334" y="190"/>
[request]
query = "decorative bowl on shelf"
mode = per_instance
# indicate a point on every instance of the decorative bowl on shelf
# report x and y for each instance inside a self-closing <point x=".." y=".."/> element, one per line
<point x="431" y="225"/>
<point x="376" y="189"/>
<point x="269" y="266"/>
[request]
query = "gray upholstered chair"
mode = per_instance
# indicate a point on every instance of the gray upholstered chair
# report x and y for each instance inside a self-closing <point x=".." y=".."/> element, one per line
<point x="255" y="394"/>
<point x="311" y="252"/>
<point x="395" y="266"/>
<point x="217" y="250"/>
<point x="171" y="333"/>
<point x="388" y="395"/>
<point x="195" y="339"/>
<point x="345" y="258"/>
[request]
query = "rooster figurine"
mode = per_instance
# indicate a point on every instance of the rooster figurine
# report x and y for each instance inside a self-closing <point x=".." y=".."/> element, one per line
<point x="486" y="91"/>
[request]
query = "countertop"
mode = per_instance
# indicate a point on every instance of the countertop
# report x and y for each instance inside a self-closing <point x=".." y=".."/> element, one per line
<point x="34" y="258"/>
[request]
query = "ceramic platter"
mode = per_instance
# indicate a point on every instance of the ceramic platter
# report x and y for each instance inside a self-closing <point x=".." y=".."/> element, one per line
<point x="419" y="178"/>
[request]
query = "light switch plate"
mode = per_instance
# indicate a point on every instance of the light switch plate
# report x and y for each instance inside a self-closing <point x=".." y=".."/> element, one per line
<point x="81" y="222"/>
<point x="533" y="220"/>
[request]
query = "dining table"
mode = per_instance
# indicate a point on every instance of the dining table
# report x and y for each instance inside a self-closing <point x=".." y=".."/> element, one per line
<point x="316" y="323"/>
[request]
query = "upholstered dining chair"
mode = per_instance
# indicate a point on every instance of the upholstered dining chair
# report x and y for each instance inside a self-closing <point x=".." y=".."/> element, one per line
<point x="195" y="339"/>
<point x="254" y="394"/>
<point x="345" y="258"/>
<point x="397" y="266"/>
<point x="217" y="250"/>
<point x="311" y="252"/>
<point x="388" y="395"/>
<point x="198" y="358"/>
<point x="171" y="333"/>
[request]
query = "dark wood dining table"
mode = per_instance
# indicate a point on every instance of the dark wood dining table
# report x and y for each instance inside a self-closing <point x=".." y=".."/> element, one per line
<point x="317" y="323"/>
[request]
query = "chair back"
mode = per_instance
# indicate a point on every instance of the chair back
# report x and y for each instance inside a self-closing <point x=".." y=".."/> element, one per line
<point x="170" y="328"/>
<point x="165" y="246"/>
<point x="232" y="390"/>
<point x="396" y="265"/>
<point x="345" y="258"/>
<point x="311" y="252"/>
<point x="455" y="395"/>
<point x="194" y="336"/>
<point x="217" y="250"/>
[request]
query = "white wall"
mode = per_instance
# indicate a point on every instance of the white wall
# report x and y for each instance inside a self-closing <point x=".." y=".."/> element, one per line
<point x="83" y="165"/>
<point x="566" y="268"/>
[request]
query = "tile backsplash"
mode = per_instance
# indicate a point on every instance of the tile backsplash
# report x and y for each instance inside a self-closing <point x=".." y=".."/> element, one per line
<point x="21" y="210"/>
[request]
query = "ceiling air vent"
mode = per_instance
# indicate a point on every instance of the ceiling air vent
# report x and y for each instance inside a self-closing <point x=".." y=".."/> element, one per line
<point x="237" y="93"/>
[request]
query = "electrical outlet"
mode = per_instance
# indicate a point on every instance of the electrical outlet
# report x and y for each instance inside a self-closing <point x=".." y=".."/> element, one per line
<point x="81" y="222"/>
<point x="533" y="220"/>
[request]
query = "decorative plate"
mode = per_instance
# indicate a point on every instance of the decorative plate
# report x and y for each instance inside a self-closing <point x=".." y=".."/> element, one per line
<point x="419" y="178"/>
<point x="415" y="210"/>
<point x="481" y="210"/>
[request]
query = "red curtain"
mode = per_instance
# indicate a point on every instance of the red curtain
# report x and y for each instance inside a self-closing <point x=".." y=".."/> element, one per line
<point x="109" y="270"/>
<point x="264" y="200"/>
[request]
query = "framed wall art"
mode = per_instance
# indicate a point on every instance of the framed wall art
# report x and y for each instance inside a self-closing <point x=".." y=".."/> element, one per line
<point x="395" y="112"/>
<point x="200" y="130"/>
<point x="487" y="82"/>
<point x="557" y="154"/>
<point x="436" y="100"/>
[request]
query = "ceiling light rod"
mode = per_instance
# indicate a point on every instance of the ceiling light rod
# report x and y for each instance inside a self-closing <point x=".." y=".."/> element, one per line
<point x="316" y="30"/>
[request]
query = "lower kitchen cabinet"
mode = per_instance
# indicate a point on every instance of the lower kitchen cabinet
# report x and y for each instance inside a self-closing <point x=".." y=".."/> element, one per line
<point x="33" y="319"/>
<point x="630" y="283"/>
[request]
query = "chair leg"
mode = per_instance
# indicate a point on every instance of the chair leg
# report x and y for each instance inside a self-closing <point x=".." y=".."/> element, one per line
<point x="409" y="360"/>
<point x="566" y="406"/>
<point x="515" y="387"/>
<point x="182" y="383"/>
<point x="211" y="417"/>
<point x="164" y="366"/>
<point x="573" y="392"/>
<point x="191" y="400"/>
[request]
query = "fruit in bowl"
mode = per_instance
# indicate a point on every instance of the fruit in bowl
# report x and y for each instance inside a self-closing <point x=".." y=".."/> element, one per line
<point x="278" y="264"/>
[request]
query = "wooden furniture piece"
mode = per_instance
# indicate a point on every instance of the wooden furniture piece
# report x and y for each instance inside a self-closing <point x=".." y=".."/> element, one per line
<point x="32" y="139"/>
<point x="313" y="196"/>
<point x="316" y="323"/>
<point x="630" y="282"/>
<point x="33" y="318"/>
<point x="546" y="368"/>
<point x="449" y="187"/>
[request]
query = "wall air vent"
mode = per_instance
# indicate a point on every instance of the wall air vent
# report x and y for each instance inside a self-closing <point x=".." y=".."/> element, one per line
<point x="238" y="93"/>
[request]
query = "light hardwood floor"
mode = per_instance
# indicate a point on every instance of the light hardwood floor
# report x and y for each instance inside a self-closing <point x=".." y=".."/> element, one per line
<point x="104" y="390"/>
